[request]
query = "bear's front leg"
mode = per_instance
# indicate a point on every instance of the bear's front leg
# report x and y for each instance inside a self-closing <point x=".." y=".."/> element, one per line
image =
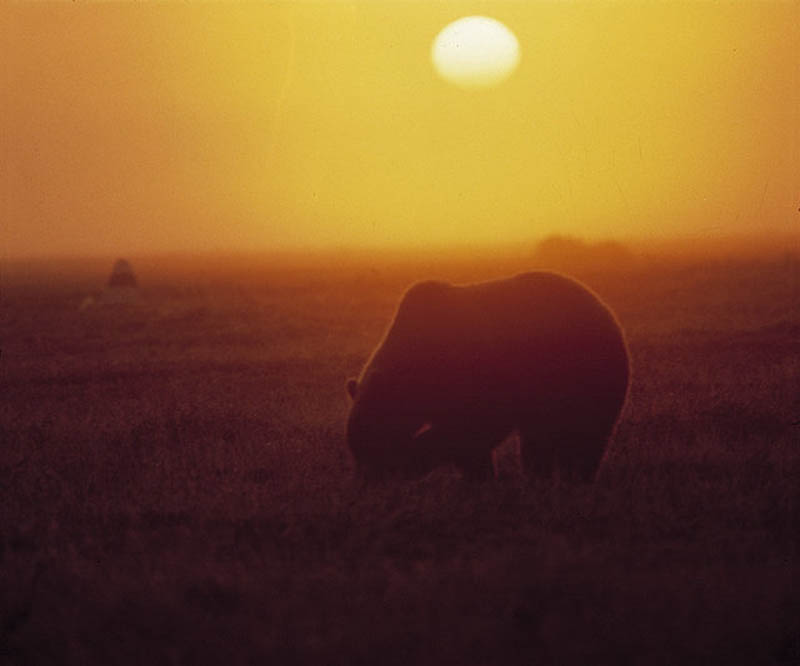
<point x="477" y="465"/>
<point x="469" y="448"/>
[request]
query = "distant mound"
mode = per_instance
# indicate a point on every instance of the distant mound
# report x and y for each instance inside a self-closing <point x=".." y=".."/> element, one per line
<point x="122" y="275"/>
<point x="122" y="288"/>
<point x="573" y="254"/>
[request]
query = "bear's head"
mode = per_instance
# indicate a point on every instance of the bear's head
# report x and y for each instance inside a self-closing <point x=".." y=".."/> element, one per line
<point x="386" y="436"/>
<point x="388" y="429"/>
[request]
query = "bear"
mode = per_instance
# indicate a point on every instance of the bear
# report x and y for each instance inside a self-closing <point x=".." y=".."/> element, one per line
<point x="461" y="367"/>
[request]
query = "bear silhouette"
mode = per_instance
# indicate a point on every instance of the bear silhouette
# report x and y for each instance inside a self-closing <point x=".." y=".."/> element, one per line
<point x="462" y="367"/>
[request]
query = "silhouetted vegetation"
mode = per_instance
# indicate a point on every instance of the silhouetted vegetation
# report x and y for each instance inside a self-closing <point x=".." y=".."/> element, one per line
<point x="176" y="487"/>
<point x="571" y="254"/>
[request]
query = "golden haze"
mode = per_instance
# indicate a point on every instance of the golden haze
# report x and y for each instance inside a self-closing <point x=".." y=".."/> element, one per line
<point x="130" y="128"/>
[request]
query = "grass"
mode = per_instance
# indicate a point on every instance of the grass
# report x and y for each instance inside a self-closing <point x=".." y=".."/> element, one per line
<point x="176" y="487"/>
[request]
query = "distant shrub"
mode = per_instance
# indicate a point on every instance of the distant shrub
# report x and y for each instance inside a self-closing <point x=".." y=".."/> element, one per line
<point x="574" y="254"/>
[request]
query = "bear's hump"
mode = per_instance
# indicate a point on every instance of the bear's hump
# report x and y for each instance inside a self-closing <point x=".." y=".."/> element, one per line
<point x="425" y="290"/>
<point x="423" y="298"/>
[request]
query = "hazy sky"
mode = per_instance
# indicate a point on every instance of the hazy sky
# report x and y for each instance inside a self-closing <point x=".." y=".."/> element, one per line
<point x="127" y="128"/>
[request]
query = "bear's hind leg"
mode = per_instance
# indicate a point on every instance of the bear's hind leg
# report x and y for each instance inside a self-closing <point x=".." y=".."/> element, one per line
<point x="574" y="451"/>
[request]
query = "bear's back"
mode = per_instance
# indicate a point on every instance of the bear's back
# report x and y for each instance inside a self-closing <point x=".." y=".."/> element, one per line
<point x="534" y="332"/>
<point x="530" y="326"/>
<point x="548" y="294"/>
<point x="529" y="307"/>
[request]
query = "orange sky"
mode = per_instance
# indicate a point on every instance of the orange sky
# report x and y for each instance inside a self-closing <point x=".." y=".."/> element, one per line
<point x="129" y="128"/>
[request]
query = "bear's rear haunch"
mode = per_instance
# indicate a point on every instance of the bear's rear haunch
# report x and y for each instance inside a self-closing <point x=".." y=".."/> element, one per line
<point x="461" y="367"/>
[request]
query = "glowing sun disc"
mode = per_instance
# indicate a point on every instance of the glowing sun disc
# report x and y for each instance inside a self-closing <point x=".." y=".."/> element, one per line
<point x="475" y="52"/>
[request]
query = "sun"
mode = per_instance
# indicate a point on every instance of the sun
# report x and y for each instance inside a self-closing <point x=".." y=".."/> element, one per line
<point x="475" y="52"/>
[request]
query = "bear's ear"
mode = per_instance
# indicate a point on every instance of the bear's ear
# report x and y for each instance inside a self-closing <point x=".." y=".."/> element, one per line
<point x="352" y="388"/>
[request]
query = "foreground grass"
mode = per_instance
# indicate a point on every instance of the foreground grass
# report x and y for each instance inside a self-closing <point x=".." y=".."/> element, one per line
<point x="176" y="489"/>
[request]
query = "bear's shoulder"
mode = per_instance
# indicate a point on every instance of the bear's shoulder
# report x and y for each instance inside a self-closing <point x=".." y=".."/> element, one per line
<point x="426" y="289"/>
<point x="422" y="300"/>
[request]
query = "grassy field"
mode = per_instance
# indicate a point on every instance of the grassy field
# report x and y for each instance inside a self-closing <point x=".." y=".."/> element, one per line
<point x="175" y="486"/>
